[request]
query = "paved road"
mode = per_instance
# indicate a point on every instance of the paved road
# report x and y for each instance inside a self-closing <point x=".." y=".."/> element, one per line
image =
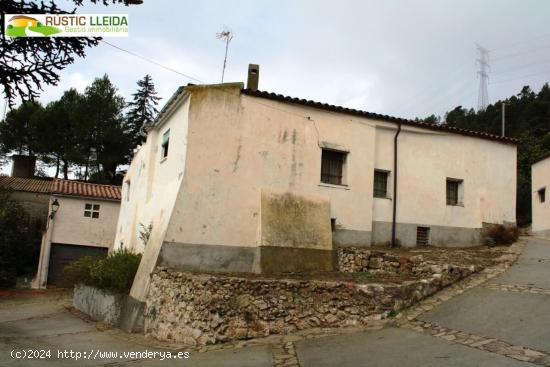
<point x="517" y="318"/>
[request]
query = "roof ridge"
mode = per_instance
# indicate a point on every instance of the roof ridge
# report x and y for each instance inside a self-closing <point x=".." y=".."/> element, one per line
<point x="415" y="123"/>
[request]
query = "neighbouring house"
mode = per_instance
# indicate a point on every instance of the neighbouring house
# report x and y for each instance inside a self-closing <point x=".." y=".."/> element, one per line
<point x="81" y="222"/>
<point x="32" y="193"/>
<point x="540" y="183"/>
<point x="241" y="180"/>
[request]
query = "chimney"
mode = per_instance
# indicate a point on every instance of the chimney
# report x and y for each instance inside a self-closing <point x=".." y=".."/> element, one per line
<point x="23" y="166"/>
<point x="253" y="76"/>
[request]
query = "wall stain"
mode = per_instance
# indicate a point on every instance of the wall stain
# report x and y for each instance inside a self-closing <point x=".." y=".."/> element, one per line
<point x="238" y="157"/>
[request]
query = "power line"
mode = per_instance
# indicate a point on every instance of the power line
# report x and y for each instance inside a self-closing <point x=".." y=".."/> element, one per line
<point x="521" y="67"/>
<point x="153" y="62"/>
<point x="521" y="77"/>
<point x="521" y="53"/>
<point x="520" y="43"/>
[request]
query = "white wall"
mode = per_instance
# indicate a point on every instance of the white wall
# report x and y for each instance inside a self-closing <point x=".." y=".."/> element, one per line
<point x="227" y="147"/>
<point x="427" y="158"/>
<point x="238" y="147"/>
<point x="71" y="227"/>
<point x="154" y="185"/>
<point x="540" y="177"/>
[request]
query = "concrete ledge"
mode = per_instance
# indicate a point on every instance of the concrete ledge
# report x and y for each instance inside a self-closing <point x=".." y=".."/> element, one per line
<point x="99" y="305"/>
<point x="350" y="237"/>
<point x="292" y="259"/>
<point x="238" y="259"/>
<point x="114" y="309"/>
<point x="443" y="236"/>
<point x="186" y="256"/>
<point x="131" y="315"/>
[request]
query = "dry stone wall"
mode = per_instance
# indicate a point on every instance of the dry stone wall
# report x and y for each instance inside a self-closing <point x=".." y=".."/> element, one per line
<point x="201" y="309"/>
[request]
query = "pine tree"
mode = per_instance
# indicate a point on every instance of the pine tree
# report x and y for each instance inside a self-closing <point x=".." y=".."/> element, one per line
<point x="142" y="109"/>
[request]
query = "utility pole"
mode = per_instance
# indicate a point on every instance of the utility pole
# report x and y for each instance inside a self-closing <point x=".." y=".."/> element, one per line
<point x="503" y="117"/>
<point x="226" y="35"/>
<point x="483" y="61"/>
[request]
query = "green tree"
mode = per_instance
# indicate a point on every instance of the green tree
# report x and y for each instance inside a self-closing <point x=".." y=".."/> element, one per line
<point x="19" y="131"/>
<point x="62" y="143"/>
<point x="142" y="109"/>
<point x="105" y="130"/>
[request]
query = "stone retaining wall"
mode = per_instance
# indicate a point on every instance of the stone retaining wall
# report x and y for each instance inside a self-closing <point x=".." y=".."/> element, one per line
<point x="201" y="309"/>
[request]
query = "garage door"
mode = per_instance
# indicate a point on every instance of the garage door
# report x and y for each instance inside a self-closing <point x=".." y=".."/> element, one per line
<point x="62" y="255"/>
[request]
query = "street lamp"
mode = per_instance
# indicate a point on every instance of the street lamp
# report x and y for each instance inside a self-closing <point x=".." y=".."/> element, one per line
<point x="55" y="208"/>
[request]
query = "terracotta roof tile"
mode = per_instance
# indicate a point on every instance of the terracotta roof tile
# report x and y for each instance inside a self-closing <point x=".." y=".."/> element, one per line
<point x="351" y="111"/>
<point x="37" y="184"/>
<point x="86" y="189"/>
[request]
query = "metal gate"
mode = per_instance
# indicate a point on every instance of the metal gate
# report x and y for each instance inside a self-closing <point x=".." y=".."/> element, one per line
<point x="62" y="255"/>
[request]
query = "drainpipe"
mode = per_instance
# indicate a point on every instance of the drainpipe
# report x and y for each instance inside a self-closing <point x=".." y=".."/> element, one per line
<point x="393" y="244"/>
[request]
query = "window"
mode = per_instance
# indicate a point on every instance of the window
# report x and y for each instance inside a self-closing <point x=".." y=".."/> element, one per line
<point x="422" y="236"/>
<point x="128" y="190"/>
<point x="91" y="210"/>
<point x="165" y="143"/>
<point x="381" y="184"/>
<point x="332" y="167"/>
<point x="542" y="195"/>
<point x="453" y="191"/>
<point x="333" y="224"/>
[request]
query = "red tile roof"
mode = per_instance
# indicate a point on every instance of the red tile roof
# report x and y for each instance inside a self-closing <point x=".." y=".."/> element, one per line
<point x="86" y="189"/>
<point x="351" y="111"/>
<point x="37" y="184"/>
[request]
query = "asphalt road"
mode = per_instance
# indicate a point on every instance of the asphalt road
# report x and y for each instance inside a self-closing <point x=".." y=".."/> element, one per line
<point x="42" y="323"/>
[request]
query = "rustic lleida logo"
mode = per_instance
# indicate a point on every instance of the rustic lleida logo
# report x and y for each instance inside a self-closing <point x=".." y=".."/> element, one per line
<point x="25" y="26"/>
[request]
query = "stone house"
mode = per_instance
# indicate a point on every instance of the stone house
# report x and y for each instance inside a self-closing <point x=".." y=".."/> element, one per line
<point x="241" y="180"/>
<point x="540" y="183"/>
<point x="81" y="222"/>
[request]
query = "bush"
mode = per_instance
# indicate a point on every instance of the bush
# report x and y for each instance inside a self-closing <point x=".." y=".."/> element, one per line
<point x="502" y="235"/>
<point x="79" y="272"/>
<point x="115" y="273"/>
<point x="19" y="244"/>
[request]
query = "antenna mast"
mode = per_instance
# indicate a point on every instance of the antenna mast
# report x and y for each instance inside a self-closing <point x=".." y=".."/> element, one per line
<point x="225" y="35"/>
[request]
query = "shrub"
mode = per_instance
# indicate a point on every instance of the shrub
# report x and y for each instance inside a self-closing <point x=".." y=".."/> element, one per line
<point x="79" y="272"/>
<point x="115" y="273"/>
<point x="502" y="235"/>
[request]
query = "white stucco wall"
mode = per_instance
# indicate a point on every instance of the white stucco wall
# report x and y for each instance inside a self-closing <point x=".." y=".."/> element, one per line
<point x="227" y="147"/>
<point x="239" y="147"/>
<point x="154" y="185"/>
<point x="540" y="178"/>
<point x="73" y="228"/>
<point x="427" y="158"/>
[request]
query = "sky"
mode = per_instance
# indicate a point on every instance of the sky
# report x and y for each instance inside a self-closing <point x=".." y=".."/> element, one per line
<point x="396" y="57"/>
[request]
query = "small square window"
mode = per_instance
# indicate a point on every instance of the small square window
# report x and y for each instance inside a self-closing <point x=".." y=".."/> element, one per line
<point x="332" y="167"/>
<point x="165" y="144"/>
<point x="381" y="184"/>
<point x="91" y="210"/>
<point x="542" y="195"/>
<point x="454" y="192"/>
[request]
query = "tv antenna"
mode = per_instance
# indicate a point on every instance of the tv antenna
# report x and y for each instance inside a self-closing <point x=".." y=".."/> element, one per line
<point x="225" y="35"/>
